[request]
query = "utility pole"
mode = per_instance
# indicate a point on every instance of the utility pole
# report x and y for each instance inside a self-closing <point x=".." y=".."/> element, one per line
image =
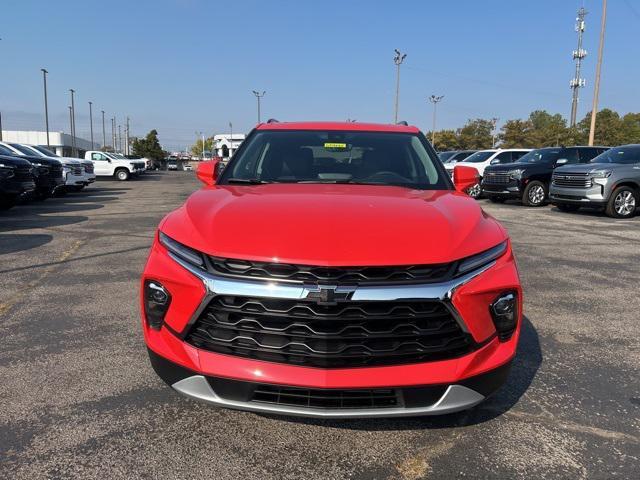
<point x="434" y="99"/>
<point x="74" y="150"/>
<point x="91" y="121"/>
<point x="576" y="82"/>
<point x="596" y="87"/>
<point x="104" y="133"/>
<point x="46" y="104"/>
<point x="259" y="96"/>
<point x="398" y="59"/>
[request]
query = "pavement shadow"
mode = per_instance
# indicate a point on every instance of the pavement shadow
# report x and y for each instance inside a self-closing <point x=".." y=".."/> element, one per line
<point x="16" y="242"/>
<point x="523" y="370"/>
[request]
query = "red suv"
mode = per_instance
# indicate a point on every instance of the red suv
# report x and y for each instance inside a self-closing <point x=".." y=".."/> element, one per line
<point x="332" y="270"/>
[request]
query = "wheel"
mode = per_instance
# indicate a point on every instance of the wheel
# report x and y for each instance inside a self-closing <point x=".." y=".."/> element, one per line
<point x="497" y="199"/>
<point x="535" y="194"/>
<point x="122" y="174"/>
<point x="566" y="207"/>
<point x="474" y="191"/>
<point x="622" y="203"/>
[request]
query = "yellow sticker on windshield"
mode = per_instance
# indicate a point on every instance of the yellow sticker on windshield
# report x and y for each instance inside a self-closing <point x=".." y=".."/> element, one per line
<point x="335" y="145"/>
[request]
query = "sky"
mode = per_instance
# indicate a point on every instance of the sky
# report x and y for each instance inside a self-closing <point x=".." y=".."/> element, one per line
<point x="185" y="66"/>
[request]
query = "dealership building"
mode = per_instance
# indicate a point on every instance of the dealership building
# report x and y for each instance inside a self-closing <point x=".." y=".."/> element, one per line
<point x="59" y="142"/>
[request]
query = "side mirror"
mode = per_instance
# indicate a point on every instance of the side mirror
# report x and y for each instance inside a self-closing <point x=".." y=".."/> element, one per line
<point x="207" y="172"/>
<point x="464" y="177"/>
<point x="495" y="161"/>
<point x="561" y="161"/>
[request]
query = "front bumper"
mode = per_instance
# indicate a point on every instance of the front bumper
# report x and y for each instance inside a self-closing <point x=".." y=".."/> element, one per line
<point x="510" y="190"/>
<point x="18" y="187"/>
<point x="469" y="298"/>
<point x="593" y="195"/>
<point x="74" y="180"/>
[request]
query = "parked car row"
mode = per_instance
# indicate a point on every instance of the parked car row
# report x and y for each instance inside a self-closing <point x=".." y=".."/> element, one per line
<point x="568" y="177"/>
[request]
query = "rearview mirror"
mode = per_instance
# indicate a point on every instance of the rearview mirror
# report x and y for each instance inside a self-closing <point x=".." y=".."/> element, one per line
<point x="207" y="172"/>
<point x="464" y="177"/>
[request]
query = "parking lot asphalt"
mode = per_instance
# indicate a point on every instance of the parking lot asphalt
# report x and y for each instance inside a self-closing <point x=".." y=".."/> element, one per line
<point x="78" y="398"/>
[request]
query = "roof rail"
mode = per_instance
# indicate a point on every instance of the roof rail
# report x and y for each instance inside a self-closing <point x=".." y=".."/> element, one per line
<point x="403" y="122"/>
<point x="272" y="120"/>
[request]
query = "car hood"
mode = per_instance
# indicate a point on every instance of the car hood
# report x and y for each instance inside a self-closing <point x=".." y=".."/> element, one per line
<point x="506" y="167"/>
<point x="585" y="167"/>
<point x="333" y="225"/>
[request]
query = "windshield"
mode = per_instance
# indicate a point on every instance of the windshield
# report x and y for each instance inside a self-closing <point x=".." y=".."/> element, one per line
<point x="22" y="149"/>
<point x="373" y="158"/>
<point x="628" y="154"/>
<point x="445" y="156"/>
<point x="542" y="155"/>
<point x="6" y="151"/>
<point x="479" y="157"/>
<point x="44" y="151"/>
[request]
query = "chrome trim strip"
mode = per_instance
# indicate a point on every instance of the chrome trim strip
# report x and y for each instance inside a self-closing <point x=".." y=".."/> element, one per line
<point x="454" y="399"/>
<point x="216" y="285"/>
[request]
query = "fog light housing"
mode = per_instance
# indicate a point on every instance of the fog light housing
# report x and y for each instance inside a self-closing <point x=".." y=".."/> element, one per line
<point x="156" y="303"/>
<point x="504" y="312"/>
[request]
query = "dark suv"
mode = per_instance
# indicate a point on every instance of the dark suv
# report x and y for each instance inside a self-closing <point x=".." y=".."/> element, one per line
<point x="47" y="173"/>
<point x="528" y="178"/>
<point x="16" y="179"/>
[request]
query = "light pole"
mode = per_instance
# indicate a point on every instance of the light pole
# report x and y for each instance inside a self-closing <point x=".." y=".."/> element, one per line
<point x="46" y="103"/>
<point x="259" y="96"/>
<point x="434" y="99"/>
<point x="70" y="127"/>
<point x="91" y="122"/>
<point x="201" y="135"/>
<point x="74" y="151"/>
<point x="230" y="138"/>
<point x="494" y="122"/>
<point x="398" y="59"/>
<point x="113" y="133"/>
<point x="596" y="87"/>
<point x="104" y="133"/>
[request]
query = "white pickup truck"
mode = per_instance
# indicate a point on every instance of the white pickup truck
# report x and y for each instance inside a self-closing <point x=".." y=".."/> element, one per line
<point x="108" y="164"/>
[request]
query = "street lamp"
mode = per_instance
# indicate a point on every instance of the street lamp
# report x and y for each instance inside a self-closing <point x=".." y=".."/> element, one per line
<point x="259" y="96"/>
<point x="434" y="99"/>
<point x="74" y="151"/>
<point x="398" y="59"/>
<point x="46" y="103"/>
<point x="201" y="134"/>
<point x="91" y="122"/>
<point x="230" y="138"/>
<point x="104" y="133"/>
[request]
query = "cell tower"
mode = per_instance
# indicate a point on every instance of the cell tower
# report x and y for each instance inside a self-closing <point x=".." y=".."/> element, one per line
<point x="576" y="82"/>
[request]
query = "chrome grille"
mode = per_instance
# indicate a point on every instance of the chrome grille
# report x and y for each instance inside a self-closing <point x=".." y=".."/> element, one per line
<point x="88" y="167"/>
<point x="572" y="180"/>
<point x="76" y="169"/>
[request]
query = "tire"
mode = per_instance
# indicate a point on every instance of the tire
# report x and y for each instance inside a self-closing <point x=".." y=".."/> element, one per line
<point x="535" y="194"/>
<point x="497" y="199"/>
<point x="41" y="194"/>
<point x="566" y="207"/>
<point x="475" y="191"/>
<point x="622" y="203"/>
<point x="122" y="174"/>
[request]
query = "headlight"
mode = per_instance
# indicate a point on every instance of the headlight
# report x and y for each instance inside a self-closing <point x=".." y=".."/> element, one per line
<point x="185" y="253"/>
<point x="516" y="174"/>
<point x="600" y="173"/>
<point x="66" y="170"/>
<point x="476" y="261"/>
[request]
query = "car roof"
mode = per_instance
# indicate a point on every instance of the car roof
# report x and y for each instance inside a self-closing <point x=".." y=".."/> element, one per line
<point x="348" y="126"/>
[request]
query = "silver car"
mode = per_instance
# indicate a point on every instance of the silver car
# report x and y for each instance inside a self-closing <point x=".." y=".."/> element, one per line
<point x="610" y="181"/>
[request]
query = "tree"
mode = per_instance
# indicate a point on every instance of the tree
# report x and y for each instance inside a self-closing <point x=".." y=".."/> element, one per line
<point x="609" y="128"/>
<point x="196" y="149"/>
<point x="631" y="128"/>
<point x="476" y="134"/>
<point x="515" y="134"/>
<point x="547" y="130"/>
<point x="445" y="140"/>
<point x="148" y="147"/>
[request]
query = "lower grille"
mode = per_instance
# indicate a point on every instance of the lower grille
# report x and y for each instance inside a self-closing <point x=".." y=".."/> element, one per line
<point x="316" y="398"/>
<point x="23" y="174"/>
<point x="55" y="172"/>
<point x="76" y="169"/>
<point x="344" y="334"/>
<point x="572" y="181"/>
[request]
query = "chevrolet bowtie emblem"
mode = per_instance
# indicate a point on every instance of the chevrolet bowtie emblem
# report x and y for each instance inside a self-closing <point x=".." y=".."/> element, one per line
<point x="328" y="294"/>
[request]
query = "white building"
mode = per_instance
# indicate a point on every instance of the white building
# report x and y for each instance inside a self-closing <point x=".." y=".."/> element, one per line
<point x="59" y="142"/>
<point x="224" y="145"/>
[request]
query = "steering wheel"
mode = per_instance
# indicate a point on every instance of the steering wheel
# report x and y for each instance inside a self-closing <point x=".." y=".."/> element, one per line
<point x="387" y="175"/>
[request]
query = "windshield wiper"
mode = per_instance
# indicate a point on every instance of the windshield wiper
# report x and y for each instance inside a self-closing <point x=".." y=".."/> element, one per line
<point x="248" y="181"/>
